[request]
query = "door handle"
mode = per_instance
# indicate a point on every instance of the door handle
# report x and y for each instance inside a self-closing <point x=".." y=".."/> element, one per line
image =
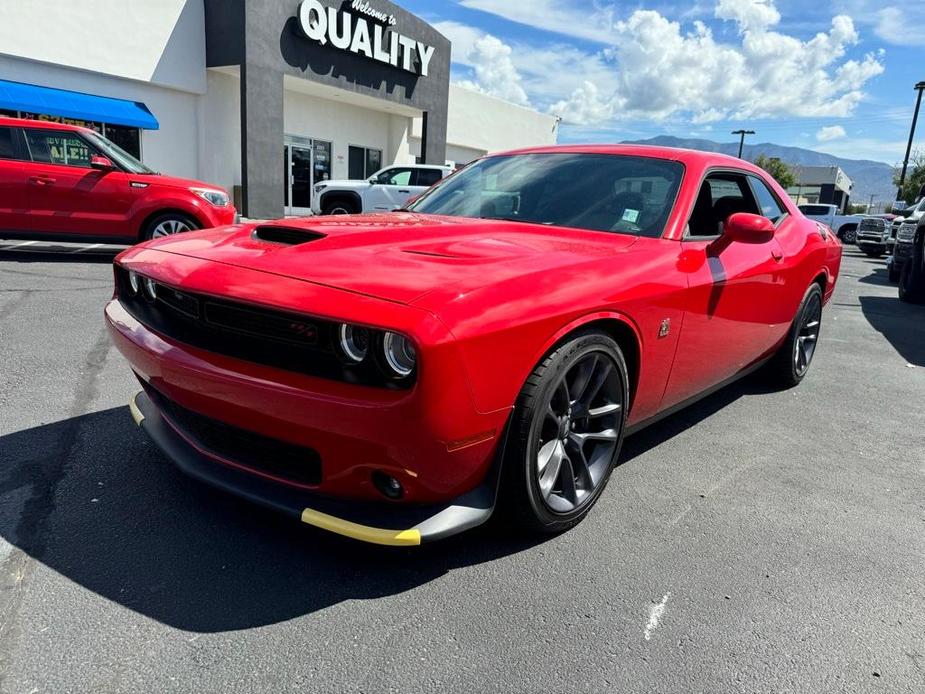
<point x="42" y="180"/>
<point x="404" y="191"/>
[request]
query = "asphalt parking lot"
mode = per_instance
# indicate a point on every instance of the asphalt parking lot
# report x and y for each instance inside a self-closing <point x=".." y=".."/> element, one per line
<point x="757" y="542"/>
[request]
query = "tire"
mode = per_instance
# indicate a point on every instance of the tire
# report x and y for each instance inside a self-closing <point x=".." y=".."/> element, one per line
<point x="912" y="278"/>
<point x="579" y="435"/>
<point x="787" y="367"/>
<point x="893" y="274"/>
<point x="168" y="224"/>
<point x="849" y="235"/>
<point x="339" y="206"/>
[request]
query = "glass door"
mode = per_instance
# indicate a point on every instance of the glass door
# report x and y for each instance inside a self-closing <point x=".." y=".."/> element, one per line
<point x="305" y="163"/>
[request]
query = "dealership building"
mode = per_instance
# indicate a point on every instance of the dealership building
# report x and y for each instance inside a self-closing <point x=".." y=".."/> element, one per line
<point x="262" y="97"/>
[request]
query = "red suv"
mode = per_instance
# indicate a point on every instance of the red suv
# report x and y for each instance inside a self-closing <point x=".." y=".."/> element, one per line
<point x="63" y="182"/>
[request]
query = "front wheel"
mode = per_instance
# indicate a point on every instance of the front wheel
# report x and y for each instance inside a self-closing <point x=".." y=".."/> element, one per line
<point x="849" y="235"/>
<point x="566" y="434"/>
<point x="791" y="363"/>
<point x="892" y="273"/>
<point x="168" y="224"/>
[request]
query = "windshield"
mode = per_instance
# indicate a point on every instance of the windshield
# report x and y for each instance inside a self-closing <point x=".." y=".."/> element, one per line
<point x="117" y="154"/>
<point x="597" y="192"/>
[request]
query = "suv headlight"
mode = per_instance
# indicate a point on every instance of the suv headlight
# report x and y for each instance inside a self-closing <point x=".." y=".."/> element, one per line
<point x="906" y="233"/>
<point x="320" y="186"/>
<point x="219" y="198"/>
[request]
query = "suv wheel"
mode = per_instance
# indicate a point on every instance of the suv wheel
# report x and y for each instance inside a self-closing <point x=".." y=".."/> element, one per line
<point x="339" y="206"/>
<point x="168" y="224"/>
<point x="849" y="235"/>
<point x="912" y="279"/>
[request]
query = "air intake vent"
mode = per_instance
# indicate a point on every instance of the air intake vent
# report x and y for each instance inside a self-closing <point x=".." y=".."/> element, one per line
<point x="288" y="236"/>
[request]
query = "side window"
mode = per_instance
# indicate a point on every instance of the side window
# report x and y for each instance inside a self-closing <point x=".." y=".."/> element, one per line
<point x="722" y="195"/>
<point x="395" y="177"/>
<point x="9" y="139"/>
<point x="427" y="177"/>
<point x="767" y="201"/>
<point x="54" y="147"/>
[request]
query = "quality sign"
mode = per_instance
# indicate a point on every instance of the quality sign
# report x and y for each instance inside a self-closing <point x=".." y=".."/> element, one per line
<point x="373" y="39"/>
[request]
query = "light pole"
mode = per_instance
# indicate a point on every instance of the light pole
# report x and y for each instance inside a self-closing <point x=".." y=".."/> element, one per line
<point x="742" y="134"/>
<point x="915" y="117"/>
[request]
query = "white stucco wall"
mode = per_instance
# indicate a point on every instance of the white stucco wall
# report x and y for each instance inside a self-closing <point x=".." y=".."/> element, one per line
<point x="173" y="149"/>
<point x="479" y="124"/>
<point x="220" y="131"/>
<point x="158" y="41"/>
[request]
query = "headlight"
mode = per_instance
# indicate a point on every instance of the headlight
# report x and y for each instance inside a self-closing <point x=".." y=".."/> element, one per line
<point x="906" y="233"/>
<point x="320" y="186"/>
<point x="134" y="283"/>
<point x="354" y="342"/>
<point x="400" y="355"/>
<point x="214" y="197"/>
<point x="150" y="288"/>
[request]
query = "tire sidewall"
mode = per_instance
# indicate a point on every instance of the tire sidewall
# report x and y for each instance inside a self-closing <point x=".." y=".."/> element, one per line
<point x="339" y="208"/>
<point x="523" y="456"/>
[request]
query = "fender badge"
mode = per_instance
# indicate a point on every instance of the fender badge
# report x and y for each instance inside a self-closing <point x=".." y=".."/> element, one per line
<point x="664" y="329"/>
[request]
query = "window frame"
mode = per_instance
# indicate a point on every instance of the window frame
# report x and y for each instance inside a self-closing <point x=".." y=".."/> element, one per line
<point x="687" y="236"/>
<point x="780" y="205"/>
<point x="416" y="181"/>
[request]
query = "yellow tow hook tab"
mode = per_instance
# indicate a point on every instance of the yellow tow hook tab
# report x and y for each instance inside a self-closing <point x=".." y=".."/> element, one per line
<point x="136" y="413"/>
<point x="364" y="533"/>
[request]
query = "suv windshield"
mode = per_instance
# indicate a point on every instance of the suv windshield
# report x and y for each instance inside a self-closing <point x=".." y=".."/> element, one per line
<point x="597" y="192"/>
<point x="117" y="154"/>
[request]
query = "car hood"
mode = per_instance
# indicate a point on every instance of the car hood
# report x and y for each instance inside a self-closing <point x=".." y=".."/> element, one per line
<point x="399" y="257"/>
<point x="352" y="185"/>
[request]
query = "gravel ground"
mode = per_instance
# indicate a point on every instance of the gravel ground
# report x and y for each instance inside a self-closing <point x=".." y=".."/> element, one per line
<point x="756" y="542"/>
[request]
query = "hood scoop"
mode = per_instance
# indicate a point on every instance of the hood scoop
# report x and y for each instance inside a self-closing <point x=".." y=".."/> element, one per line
<point x="286" y="236"/>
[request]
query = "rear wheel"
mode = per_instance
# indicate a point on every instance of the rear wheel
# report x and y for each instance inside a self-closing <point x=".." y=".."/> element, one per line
<point x="566" y="434"/>
<point x="912" y="279"/>
<point x="791" y="363"/>
<point x="168" y="224"/>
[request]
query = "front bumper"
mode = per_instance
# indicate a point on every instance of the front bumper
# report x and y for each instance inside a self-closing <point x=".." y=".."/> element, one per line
<point x="376" y="523"/>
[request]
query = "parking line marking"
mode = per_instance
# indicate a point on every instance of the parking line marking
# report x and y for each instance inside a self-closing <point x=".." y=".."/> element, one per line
<point x="655" y="616"/>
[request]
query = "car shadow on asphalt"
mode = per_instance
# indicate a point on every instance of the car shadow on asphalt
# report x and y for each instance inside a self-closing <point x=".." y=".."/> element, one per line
<point x="104" y="509"/>
<point x="16" y="256"/>
<point x="903" y="325"/>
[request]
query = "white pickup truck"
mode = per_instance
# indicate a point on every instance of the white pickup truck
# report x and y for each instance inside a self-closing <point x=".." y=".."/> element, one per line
<point x="844" y="226"/>
<point x="384" y="191"/>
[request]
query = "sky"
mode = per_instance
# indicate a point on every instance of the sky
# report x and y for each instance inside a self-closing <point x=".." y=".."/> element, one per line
<point x="835" y="76"/>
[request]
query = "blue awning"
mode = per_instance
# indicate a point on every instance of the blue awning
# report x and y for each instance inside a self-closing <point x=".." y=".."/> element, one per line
<point x="17" y="96"/>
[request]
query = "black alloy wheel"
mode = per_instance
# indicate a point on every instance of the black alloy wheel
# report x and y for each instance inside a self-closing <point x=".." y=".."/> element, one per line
<point x="567" y="433"/>
<point x="791" y="363"/>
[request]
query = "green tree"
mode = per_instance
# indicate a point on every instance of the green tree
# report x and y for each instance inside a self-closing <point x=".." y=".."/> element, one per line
<point x="782" y="173"/>
<point x="915" y="177"/>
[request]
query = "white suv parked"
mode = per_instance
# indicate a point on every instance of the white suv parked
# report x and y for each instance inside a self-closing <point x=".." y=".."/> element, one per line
<point x="384" y="191"/>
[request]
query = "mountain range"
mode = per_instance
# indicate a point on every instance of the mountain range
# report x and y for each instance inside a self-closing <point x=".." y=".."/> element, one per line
<point x="869" y="177"/>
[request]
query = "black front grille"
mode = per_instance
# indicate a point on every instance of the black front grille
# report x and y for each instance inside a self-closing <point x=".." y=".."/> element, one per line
<point x="280" y="339"/>
<point x="877" y="225"/>
<point x="294" y="464"/>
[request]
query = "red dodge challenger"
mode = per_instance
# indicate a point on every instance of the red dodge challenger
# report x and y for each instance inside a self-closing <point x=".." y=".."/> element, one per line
<point x="396" y="378"/>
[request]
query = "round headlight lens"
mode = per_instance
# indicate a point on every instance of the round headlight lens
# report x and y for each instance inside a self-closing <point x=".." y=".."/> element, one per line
<point x="354" y="342"/>
<point x="400" y="354"/>
<point x="134" y="284"/>
<point x="150" y="288"/>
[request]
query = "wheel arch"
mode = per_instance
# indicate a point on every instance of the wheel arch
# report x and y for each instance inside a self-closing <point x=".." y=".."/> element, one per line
<point x="350" y="195"/>
<point x="617" y="326"/>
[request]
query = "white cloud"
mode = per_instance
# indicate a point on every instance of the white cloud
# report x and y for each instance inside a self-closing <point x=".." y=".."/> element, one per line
<point x="750" y="15"/>
<point x="896" y="26"/>
<point x="655" y="68"/>
<point x="830" y="132"/>
<point x="490" y="58"/>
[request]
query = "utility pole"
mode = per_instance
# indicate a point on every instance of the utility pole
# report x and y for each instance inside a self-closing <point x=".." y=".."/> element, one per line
<point x="920" y="87"/>
<point x="870" y="205"/>
<point x="743" y="133"/>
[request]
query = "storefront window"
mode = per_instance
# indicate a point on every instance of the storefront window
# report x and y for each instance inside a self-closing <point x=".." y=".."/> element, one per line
<point x="363" y="162"/>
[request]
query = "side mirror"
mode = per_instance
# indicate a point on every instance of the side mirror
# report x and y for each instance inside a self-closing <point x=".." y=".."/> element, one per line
<point x="743" y="227"/>
<point x="101" y="163"/>
<point x="372" y="180"/>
